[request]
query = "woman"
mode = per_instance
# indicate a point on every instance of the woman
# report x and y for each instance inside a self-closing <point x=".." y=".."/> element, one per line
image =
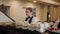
<point x="30" y="18"/>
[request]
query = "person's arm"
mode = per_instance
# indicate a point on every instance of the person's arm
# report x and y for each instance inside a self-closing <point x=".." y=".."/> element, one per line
<point x="56" y="24"/>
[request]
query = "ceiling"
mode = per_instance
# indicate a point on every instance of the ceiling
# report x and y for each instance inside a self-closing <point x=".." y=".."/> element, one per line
<point x="56" y="0"/>
<point x="38" y="0"/>
<point x="33" y="0"/>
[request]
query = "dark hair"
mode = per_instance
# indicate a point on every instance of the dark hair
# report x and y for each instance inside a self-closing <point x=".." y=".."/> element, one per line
<point x="29" y="9"/>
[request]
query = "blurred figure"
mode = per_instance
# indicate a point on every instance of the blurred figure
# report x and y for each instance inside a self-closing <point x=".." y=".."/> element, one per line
<point x="56" y="25"/>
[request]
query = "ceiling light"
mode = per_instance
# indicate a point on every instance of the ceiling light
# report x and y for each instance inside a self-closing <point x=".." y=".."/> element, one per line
<point x="34" y="1"/>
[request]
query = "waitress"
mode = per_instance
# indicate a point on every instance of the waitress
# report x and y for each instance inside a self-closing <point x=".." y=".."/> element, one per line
<point x="30" y="18"/>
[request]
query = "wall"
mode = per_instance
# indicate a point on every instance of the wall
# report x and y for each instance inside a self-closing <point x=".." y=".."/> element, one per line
<point x="58" y="13"/>
<point x="43" y="13"/>
<point x="52" y="12"/>
<point x="55" y="13"/>
<point x="17" y="10"/>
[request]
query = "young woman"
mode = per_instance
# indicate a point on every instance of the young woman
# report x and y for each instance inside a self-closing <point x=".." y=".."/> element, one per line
<point x="30" y="18"/>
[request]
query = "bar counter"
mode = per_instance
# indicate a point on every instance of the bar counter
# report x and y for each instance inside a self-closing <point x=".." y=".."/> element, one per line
<point x="10" y="29"/>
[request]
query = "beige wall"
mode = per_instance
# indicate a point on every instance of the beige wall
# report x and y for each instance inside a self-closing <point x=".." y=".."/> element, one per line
<point x="58" y="13"/>
<point x="17" y="10"/>
<point x="55" y="13"/>
<point x="43" y="13"/>
<point x="52" y="12"/>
